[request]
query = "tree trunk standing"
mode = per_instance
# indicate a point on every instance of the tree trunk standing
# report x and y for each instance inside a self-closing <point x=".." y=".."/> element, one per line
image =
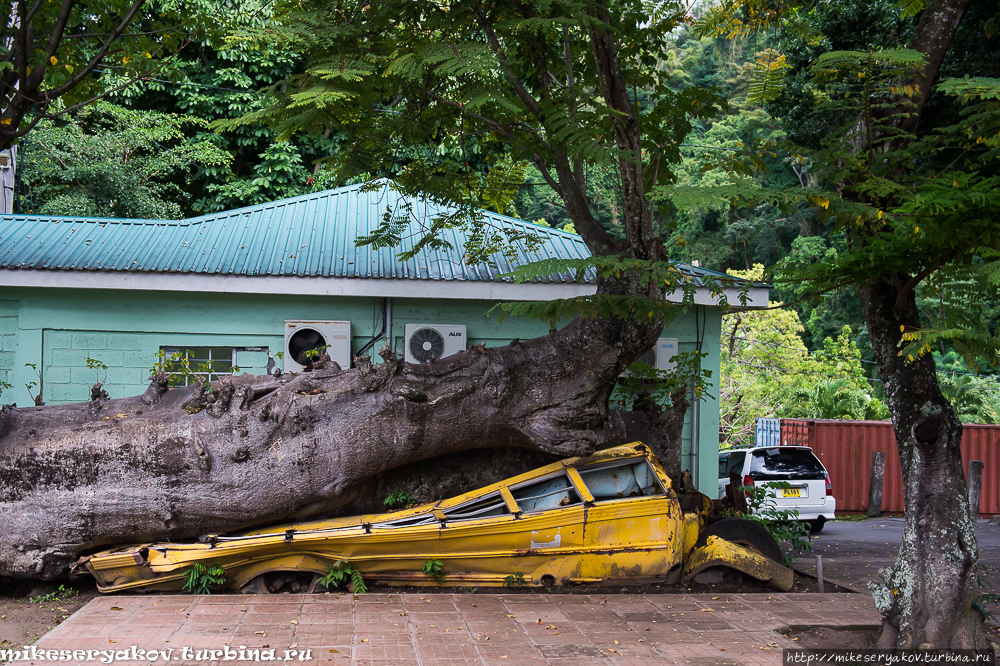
<point x="926" y="595"/>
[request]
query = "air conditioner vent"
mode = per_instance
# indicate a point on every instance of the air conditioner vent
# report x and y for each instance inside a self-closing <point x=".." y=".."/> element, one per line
<point x="424" y="343"/>
<point x="301" y="337"/>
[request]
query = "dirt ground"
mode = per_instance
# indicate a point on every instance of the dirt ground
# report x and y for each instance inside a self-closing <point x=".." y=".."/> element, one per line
<point x="828" y="638"/>
<point x="29" y="612"/>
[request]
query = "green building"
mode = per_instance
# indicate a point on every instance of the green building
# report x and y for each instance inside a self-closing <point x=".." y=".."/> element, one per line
<point x="233" y="289"/>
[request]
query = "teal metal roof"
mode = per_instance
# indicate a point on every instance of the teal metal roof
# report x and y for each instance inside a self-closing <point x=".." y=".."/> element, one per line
<point x="311" y="235"/>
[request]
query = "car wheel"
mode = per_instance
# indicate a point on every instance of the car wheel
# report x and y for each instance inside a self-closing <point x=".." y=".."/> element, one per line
<point x="816" y="525"/>
<point x="745" y="533"/>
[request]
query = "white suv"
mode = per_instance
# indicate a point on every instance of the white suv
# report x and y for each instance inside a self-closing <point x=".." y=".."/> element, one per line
<point x="810" y="489"/>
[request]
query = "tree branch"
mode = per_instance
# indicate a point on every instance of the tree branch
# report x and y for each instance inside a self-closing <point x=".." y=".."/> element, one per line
<point x="96" y="60"/>
<point x="932" y="37"/>
<point x="904" y="290"/>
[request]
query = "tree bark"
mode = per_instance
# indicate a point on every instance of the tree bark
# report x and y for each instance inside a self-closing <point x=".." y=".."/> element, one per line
<point x="175" y="465"/>
<point x="926" y="595"/>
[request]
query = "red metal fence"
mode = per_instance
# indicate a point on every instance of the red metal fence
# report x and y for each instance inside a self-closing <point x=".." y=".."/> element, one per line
<point x="846" y="447"/>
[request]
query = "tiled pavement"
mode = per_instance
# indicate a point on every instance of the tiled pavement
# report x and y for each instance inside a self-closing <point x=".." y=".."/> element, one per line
<point x="850" y="573"/>
<point x="454" y="629"/>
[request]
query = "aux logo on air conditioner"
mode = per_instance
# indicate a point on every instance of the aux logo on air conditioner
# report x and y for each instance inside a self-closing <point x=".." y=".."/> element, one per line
<point x="454" y="335"/>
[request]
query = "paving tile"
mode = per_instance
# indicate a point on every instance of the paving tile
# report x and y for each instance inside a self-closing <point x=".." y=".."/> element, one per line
<point x="435" y="629"/>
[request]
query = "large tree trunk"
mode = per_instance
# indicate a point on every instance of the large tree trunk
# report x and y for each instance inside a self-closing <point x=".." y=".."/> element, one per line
<point x="927" y="594"/>
<point x="77" y="477"/>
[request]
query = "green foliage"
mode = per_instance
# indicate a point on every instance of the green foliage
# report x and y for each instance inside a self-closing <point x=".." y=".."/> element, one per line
<point x="515" y="579"/>
<point x="434" y="569"/>
<point x="202" y="579"/>
<point x="182" y="371"/>
<point x="768" y="371"/>
<point x="783" y="524"/>
<point x="975" y="399"/>
<point x="30" y="386"/>
<point x="769" y="73"/>
<point x="987" y="596"/>
<point x="461" y="104"/>
<point x="399" y="498"/>
<point x="52" y="52"/>
<point x="835" y="399"/>
<point x="313" y="354"/>
<point x="644" y="383"/>
<point x="110" y="161"/>
<point x="55" y="594"/>
<point x="341" y="573"/>
<point x="96" y="365"/>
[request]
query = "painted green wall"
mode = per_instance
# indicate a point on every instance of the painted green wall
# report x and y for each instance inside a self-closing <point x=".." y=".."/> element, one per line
<point x="8" y="348"/>
<point x="58" y="329"/>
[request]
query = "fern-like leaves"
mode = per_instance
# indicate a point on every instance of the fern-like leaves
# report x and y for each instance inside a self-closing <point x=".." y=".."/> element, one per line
<point x="768" y="77"/>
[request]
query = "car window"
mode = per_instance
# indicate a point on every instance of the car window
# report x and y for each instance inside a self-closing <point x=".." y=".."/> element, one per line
<point x="412" y="521"/>
<point x="484" y="507"/>
<point x="723" y="465"/>
<point x="622" y="479"/>
<point x="736" y="460"/>
<point x="779" y="464"/>
<point x="551" y="493"/>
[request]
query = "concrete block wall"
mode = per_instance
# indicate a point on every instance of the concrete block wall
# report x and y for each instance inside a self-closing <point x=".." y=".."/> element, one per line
<point x="130" y="357"/>
<point x="67" y="377"/>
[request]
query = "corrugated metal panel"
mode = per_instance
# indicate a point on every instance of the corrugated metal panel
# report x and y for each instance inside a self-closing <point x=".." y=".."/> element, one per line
<point x="767" y="432"/>
<point x="846" y="448"/>
<point x="311" y="235"/>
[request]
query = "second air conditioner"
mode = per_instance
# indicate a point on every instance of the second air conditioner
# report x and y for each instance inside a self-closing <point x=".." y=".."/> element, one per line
<point x="429" y="342"/>
<point x="661" y="356"/>
<point x="302" y="337"/>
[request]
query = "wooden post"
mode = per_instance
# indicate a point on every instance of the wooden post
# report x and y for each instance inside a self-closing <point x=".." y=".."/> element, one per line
<point x="875" y="486"/>
<point x="975" y="486"/>
<point x="737" y="498"/>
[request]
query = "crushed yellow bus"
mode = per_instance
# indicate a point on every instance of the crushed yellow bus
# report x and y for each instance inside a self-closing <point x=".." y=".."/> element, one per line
<point x="612" y="517"/>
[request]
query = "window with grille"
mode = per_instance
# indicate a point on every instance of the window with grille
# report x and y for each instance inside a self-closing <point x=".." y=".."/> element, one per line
<point x="186" y="364"/>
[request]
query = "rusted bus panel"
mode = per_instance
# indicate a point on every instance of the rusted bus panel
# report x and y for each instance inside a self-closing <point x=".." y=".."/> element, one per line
<point x="846" y="448"/>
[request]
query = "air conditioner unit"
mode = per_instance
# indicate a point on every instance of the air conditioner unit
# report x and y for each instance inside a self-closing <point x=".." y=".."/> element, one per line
<point x="303" y="336"/>
<point x="661" y="356"/>
<point x="428" y="342"/>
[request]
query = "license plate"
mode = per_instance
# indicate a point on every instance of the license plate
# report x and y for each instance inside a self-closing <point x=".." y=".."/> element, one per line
<point x="791" y="492"/>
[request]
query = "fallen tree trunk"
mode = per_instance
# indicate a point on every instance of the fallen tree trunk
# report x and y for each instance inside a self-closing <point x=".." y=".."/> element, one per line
<point x="185" y="462"/>
<point x="457" y="473"/>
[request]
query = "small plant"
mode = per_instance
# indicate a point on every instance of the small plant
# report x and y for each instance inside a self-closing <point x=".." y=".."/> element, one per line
<point x="987" y="597"/>
<point x="178" y="366"/>
<point x="783" y="524"/>
<point x="315" y="353"/>
<point x="30" y="386"/>
<point x="399" y="498"/>
<point x="433" y="569"/>
<point x="54" y="594"/>
<point x="515" y="579"/>
<point x="201" y="579"/>
<point x="341" y="572"/>
<point x="96" y="365"/>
